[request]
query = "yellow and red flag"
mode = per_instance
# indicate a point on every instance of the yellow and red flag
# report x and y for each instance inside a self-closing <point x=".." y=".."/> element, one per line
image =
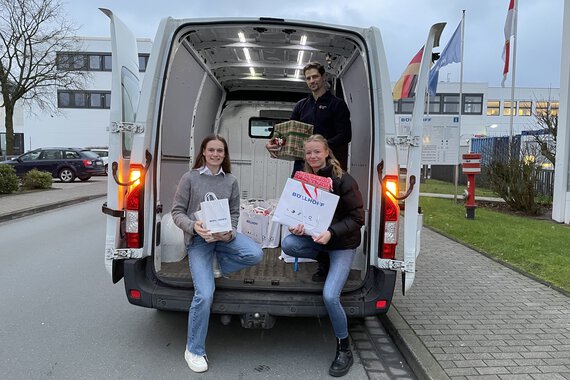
<point x="405" y="86"/>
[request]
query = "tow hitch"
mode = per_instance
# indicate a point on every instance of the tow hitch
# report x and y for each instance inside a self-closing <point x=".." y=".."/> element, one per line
<point x="257" y="320"/>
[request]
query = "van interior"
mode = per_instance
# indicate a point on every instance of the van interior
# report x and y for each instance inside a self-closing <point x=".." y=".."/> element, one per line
<point x="238" y="80"/>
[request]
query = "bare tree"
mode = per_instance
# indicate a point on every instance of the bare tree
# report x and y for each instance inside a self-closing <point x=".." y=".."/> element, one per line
<point x="546" y="121"/>
<point x="32" y="32"/>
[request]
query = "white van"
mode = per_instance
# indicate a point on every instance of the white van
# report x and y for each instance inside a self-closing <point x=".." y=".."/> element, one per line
<point x="237" y="77"/>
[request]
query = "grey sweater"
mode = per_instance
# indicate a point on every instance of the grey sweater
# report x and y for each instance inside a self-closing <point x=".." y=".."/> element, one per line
<point x="191" y="190"/>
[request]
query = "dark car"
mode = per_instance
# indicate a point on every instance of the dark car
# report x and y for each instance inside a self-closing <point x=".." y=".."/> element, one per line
<point x="63" y="163"/>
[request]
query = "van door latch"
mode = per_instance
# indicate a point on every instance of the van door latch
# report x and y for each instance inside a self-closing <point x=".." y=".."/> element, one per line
<point x="124" y="126"/>
<point x="114" y="213"/>
<point x="123" y="253"/>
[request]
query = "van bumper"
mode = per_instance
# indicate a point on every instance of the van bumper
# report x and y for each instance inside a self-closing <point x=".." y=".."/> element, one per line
<point x="378" y="286"/>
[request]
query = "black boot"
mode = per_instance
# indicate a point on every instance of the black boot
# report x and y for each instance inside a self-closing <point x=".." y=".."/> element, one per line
<point x="324" y="261"/>
<point x="343" y="359"/>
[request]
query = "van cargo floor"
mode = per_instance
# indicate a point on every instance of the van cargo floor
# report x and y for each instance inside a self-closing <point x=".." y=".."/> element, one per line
<point x="272" y="273"/>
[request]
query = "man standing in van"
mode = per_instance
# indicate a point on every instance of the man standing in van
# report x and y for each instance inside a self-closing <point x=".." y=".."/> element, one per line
<point x="328" y="114"/>
<point x="330" y="118"/>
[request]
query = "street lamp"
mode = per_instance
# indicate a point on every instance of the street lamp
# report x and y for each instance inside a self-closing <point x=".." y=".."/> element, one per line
<point x="492" y="126"/>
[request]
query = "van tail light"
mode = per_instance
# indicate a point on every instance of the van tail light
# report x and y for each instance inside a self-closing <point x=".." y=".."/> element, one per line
<point x="390" y="217"/>
<point x="134" y="207"/>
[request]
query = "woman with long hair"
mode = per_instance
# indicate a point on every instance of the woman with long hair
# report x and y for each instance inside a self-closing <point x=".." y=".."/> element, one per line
<point x="234" y="251"/>
<point x="339" y="242"/>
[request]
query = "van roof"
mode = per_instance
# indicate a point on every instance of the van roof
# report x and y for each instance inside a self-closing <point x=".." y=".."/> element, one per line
<point x="268" y="52"/>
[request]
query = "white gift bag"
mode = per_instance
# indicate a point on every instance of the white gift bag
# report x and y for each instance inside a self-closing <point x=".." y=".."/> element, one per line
<point x="253" y="225"/>
<point x="216" y="213"/>
<point x="301" y="203"/>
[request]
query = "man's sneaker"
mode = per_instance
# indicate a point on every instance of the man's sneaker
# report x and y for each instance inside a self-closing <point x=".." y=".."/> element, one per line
<point x="216" y="268"/>
<point x="195" y="362"/>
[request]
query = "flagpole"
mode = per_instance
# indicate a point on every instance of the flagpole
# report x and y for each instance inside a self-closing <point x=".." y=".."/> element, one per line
<point x="515" y="22"/>
<point x="460" y="108"/>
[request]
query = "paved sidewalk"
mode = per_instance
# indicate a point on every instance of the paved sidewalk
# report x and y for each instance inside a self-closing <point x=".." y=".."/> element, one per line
<point x="62" y="194"/>
<point x="469" y="317"/>
<point x="466" y="317"/>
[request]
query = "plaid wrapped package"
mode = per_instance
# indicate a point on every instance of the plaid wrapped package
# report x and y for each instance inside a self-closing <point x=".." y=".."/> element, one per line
<point x="291" y="136"/>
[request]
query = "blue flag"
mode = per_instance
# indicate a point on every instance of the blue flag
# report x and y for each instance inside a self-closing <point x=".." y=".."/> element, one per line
<point x="450" y="54"/>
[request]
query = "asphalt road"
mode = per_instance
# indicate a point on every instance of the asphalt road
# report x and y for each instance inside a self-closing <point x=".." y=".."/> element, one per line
<point x="62" y="318"/>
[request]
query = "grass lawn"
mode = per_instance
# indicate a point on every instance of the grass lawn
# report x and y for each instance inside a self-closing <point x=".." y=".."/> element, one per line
<point x="537" y="247"/>
<point x="442" y="187"/>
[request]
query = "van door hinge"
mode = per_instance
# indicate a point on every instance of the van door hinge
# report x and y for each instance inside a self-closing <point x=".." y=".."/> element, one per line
<point x="123" y="126"/>
<point x="123" y="253"/>
<point x="397" y="265"/>
<point x="403" y="140"/>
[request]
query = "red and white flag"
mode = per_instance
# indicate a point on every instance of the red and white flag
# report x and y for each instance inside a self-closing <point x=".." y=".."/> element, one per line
<point x="509" y="32"/>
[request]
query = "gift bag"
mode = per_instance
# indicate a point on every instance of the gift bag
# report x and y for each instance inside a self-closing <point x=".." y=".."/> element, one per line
<point x="216" y="213"/>
<point x="253" y="225"/>
<point x="301" y="203"/>
<point x="291" y="136"/>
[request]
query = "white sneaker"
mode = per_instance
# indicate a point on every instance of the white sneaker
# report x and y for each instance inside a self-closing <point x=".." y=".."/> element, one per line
<point x="195" y="362"/>
<point x="216" y="268"/>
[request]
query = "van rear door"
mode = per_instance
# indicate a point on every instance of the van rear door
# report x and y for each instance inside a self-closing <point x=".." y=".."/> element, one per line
<point x="124" y="102"/>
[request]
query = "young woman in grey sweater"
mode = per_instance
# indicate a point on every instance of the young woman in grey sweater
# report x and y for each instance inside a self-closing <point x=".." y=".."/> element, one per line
<point x="234" y="251"/>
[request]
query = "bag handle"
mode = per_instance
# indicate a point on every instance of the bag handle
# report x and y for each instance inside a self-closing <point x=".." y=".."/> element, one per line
<point x="210" y="196"/>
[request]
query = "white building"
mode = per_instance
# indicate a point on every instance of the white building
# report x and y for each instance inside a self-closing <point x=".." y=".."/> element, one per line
<point x="84" y="115"/>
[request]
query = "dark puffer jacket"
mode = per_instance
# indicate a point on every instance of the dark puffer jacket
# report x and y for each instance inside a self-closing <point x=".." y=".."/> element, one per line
<point x="349" y="215"/>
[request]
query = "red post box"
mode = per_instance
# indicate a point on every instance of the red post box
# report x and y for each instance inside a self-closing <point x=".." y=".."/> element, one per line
<point x="471" y="166"/>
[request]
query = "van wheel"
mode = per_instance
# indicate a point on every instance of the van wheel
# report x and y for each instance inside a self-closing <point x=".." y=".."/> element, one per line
<point x="86" y="178"/>
<point x="66" y="175"/>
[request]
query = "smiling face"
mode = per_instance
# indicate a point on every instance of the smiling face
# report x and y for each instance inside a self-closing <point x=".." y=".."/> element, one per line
<point x="316" y="155"/>
<point x="315" y="81"/>
<point x="214" y="154"/>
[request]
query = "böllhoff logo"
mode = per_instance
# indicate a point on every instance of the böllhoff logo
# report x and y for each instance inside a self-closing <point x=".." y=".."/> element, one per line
<point x="307" y="199"/>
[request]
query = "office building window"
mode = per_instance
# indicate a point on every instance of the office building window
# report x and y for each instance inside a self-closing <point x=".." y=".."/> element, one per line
<point x="525" y="108"/>
<point x="507" y="108"/>
<point x="450" y="103"/>
<point x="554" y="108"/>
<point x="541" y="108"/>
<point x="493" y="108"/>
<point x="472" y="104"/>
<point x="84" y="99"/>
<point x="92" y="61"/>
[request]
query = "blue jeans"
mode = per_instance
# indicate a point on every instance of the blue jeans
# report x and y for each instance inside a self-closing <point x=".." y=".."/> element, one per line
<point x="340" y="262"/>
<point x="240" y="253"/>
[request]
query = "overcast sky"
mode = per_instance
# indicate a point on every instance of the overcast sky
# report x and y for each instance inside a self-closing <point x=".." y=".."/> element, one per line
<point x="403" y="23"/>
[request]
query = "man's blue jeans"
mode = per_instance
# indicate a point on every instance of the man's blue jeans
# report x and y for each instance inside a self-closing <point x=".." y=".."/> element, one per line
<point x="340" y="263"/>
<point x="240" y="253"/>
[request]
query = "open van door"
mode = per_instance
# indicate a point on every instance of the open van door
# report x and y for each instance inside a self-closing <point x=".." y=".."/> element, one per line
<point x="413" y="218"/>
<point x="125" y="91"/>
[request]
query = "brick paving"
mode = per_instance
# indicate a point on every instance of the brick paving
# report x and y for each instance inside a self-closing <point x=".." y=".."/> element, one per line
<point x="482" y="320"/>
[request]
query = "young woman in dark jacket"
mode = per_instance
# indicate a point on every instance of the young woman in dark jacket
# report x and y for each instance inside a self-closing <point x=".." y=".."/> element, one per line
<point x="339" y="241"/>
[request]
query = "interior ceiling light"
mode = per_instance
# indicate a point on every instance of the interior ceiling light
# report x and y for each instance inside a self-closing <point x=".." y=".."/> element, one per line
<point x="303" y="40"/>
<point x="297" y="72"/>
<point x="252" y="71"/>
<point x="247" y="56"/>
<point x="300" y="57"/>
<point x="241" y="37"/>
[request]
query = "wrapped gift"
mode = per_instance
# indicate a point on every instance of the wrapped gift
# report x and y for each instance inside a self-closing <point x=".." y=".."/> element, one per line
<point x="291" y="136"/>
<point x="324" y="183"/>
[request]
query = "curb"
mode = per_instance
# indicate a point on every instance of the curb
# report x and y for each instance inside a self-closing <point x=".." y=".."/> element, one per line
<point x="420" y="360"/>
<point x="47" y="207"/>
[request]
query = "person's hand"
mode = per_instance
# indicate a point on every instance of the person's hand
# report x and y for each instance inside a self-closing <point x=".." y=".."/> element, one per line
<point x="323" y="237"/>
<point x="203" y="232"/>
<point x="299" y="229"/>
<point x="222" y="236"/>
<point x="272" y="148"/>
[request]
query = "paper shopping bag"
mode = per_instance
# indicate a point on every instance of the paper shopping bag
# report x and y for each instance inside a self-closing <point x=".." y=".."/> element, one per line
<point x="216" y="213"/>
<point x="301" y="203"/>
<point x="253" y="225"/>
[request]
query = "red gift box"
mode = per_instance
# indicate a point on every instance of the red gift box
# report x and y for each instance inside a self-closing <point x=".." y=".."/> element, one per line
<point x="324" y="183"/>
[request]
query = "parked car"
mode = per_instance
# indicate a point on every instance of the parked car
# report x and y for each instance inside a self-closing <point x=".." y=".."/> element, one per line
<point x="103" y="153"/>
<point x="63" y="163"/>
